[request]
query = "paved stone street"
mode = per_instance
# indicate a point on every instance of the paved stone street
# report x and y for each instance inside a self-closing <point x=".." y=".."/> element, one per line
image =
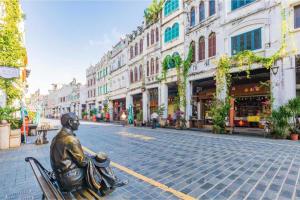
<point x="201" y="165"/>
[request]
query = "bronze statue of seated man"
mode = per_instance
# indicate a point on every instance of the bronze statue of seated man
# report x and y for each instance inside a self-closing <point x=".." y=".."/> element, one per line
<point x="73" y="169"/>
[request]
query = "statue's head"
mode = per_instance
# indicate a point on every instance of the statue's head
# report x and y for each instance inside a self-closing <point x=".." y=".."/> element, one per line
<point x="70" y="121"/>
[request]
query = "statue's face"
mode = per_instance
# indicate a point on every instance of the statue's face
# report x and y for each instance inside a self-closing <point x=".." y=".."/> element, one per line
<point x="74" y="124"/>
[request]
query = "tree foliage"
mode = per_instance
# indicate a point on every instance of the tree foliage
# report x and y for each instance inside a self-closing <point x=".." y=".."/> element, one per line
<point x="151" y="13"/>
<point x="12" y="51"/>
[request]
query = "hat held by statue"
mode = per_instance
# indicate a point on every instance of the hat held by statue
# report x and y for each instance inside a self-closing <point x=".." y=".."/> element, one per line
<point x="101" y="160"/>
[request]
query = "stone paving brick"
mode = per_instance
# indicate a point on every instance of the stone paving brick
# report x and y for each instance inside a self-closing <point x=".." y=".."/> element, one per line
<point x="214" y="166"/>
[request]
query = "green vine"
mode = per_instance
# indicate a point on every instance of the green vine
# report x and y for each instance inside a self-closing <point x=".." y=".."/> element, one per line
<point x="223" y="75"/>
<point x="12" y="51"/>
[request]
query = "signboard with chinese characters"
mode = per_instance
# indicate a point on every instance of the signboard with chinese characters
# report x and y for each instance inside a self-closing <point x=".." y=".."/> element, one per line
<point x="9" y="72"/>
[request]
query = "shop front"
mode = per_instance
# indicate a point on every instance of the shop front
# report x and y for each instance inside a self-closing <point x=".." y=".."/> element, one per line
<point x="172" y="98"/>
<point x="202" y="97"/>
<point x="119" y="106"/>
<point x="137" y="104"/>
<point x="153" y="100"/>
<point x="251" y="96"/>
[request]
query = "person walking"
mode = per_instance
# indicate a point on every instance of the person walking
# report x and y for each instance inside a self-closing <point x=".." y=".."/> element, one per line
<point x="154" y="117"/>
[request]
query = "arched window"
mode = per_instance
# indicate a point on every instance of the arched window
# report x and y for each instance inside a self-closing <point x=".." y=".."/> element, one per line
<point x="212" y="45"/>
<point x="141" y="72"/>
<point x="175" y="31"/>
<point x="147" y="68"/>
<point x="136" y="49"/>
<point x="212" y="7"/>
<point x="168" y="35"/>
<point x="201" y="48"/>
<point x="192" y="45"/>
<point x="201" y="11"/>
<point x="141" y="45"/>
<point x="147" y="39"/>
<point x="170" y="7"/>
<point x="157" y="64"/>
<point x="152" y="66"/>
<point x="131" y="52"/>
<point x="152" y="36"/>
<point x="131" y="76"/>
<point x="192" y="18"/>
<point x="167" y="8"/>
<point x="157" y="34"/>
<point x="135" y="74"/>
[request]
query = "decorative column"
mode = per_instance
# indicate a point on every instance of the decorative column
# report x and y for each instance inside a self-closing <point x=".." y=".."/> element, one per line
<point x="164" y="99"/>
<point x="189" y="93"/>
<point x="145" y="105"/>
<point x="283" y="81"/>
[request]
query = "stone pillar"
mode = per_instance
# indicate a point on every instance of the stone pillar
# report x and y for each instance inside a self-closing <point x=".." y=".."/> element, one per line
<point x="145" y="105"/>
<point x="199" y="110"/>
<point x="129" y="100"/>
<point x="110" y="110"/>
<point x="283" y="84"/>
<point x="189" y="93"/>
<point x="164" y="99"/>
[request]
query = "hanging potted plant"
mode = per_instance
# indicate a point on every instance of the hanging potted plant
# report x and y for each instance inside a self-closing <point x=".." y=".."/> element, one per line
<point x="293" y="107"/>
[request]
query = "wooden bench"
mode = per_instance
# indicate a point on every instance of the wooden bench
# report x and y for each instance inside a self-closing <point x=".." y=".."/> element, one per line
<point x="50" y="187"/>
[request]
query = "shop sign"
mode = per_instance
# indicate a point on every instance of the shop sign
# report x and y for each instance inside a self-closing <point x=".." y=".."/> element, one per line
<point x="253" y="118"/>
<point x="9" y="72"/>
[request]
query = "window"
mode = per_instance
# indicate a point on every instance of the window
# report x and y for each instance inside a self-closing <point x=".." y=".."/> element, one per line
<point x="212" y="7"/>
<point x="192" y="45"/>
<point x="131" y="52"/>
<point x="147" y="39"/>
<point x="152" y="36"/>
<point x="212" y="45"/>
<point x="157" y="34"/>
<point x="246" y="41"/>
<point x="152" y="66"/>
<point x="235" y="4"/>
<point x="297" y="16"/>
<point x="175" y="31"/>
<point x="135" y="74"/>
<point x="147" y="68"/>
<point x="168" y="35"/>
<point x="141" y="45"/>
<point x="136" y="49"/>
<point x="157" y="64"/>
<point x="131" y="76"/>
<point x="170" y="7"/>
<point x="141" y="72"/>
<point x="201" y="11"/>
<point x="192" y="20"/>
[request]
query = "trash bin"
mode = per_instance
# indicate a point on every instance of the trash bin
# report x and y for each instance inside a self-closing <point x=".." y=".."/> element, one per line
<point x="4" y="136"/>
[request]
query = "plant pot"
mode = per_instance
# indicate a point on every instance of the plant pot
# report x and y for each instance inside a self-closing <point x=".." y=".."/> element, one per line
<point x="294" y="136"/>
<point x="15" y="138"/>
<point x="4" y="136"/>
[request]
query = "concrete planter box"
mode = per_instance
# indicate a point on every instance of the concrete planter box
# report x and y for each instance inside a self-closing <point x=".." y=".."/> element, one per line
<point x="15" y="138"/>
<point x="4" y="136"/>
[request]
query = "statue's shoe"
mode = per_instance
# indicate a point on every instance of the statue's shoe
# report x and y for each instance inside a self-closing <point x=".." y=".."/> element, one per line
<point x="120" y="183"/>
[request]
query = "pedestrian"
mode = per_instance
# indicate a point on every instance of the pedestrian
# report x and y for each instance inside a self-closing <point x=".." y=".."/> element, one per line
<point x="154" y="117"/>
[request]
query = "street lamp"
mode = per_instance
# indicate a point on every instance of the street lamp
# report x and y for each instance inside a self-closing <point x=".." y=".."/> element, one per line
<point x="274" y="69"/>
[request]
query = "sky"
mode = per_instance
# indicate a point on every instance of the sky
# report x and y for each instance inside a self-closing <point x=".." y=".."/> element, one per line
<point x="63" y="38"/>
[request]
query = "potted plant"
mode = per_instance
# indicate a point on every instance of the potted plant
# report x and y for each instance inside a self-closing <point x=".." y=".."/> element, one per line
<point x="139" y="118"/>
<point x="279" y="122"/>
<point x="293" y="108"/>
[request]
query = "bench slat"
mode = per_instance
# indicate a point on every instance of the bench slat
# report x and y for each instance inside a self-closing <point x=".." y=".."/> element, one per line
<point x="45" y="184"/>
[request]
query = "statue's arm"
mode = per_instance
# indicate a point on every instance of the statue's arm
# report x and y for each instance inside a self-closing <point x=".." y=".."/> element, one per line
<point x="76" y="152"/>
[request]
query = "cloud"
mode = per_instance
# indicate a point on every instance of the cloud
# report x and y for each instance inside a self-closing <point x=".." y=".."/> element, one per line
<point x="107" y="40"/>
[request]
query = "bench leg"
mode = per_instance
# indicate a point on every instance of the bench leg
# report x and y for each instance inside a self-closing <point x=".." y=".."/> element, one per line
<point x="43" y="197"/>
